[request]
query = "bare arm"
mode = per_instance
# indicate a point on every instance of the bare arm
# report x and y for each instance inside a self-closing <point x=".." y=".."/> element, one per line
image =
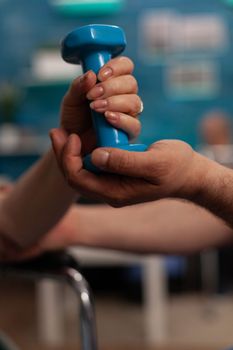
<point x="165" y="226"/>
<point x="35" y="204"/>
<point x="215" y="190"/>
<point x="41" y="197"/>
<point x="168" y="169"/>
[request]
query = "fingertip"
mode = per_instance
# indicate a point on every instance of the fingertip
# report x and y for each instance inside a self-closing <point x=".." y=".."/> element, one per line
<point x="116" y="66"/>
<point x="105" y="73"/>
<point x="58" y="134"/>
<point x="112" y="115"/>
<point x="81" y="85"/>
<point x="52" y="132"/>
<point x="91" y="73"/>
<point x="100" y="157"/>
<point x="90" y="78"/>
<point x="113" y="118"/>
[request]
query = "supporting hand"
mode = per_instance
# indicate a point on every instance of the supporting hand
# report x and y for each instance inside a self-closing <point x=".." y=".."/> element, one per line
<point x="167" y="169"/>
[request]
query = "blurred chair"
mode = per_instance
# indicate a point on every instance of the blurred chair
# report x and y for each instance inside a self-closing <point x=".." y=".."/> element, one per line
<point x="154" y="293"/>
<point x="64" y="268"/>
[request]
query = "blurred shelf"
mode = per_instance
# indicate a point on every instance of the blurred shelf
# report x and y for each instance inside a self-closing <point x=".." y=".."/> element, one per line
<point x="30" y="146"/>
<point x="87" y="7"/>
<point x="40" y="84"/>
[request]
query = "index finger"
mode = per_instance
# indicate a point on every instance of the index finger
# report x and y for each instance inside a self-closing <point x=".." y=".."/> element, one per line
<point x="116" y="67"/>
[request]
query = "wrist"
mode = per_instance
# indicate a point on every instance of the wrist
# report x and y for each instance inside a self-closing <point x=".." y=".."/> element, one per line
<point x="209" y="186"/>
<point x="198" y="178"/>
<point x="216" y="191"/>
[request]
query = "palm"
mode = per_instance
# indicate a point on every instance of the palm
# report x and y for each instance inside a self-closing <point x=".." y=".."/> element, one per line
<point x="164" y="170"/>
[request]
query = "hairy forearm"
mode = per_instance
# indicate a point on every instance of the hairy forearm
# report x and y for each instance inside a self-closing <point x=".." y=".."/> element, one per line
<point x="38" y="200"/>
<point x="211" y="187"/>
<point x="165" y="226"/>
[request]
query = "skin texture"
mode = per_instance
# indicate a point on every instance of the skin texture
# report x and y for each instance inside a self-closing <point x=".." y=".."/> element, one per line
<point x="164" y="170"/>
<point x="169" y="168"/>
<point x="189" y="229"/>
<point x="41" y="196"/>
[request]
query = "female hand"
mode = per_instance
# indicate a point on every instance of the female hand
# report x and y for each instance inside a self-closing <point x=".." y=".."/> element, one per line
<point x="115" y="96"/>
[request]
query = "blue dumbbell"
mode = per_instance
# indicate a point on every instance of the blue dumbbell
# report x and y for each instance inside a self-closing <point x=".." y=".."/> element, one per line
<point x="92" y="46"/>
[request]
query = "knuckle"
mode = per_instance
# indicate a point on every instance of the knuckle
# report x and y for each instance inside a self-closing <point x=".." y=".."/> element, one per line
<point x="127" y="61"/>
<point x="135" y="105"/>
<point x="130" y="84"/>
<point x="111" y="102"/>
<point x="123" y="84"/>
<point x="162" y="163"/>
<point x="122" y="162"/>
<point x="112" y="87"/>
<point x="134" y="84"/>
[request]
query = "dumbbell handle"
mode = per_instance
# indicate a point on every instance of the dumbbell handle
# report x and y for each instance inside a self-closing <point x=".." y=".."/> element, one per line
<point x="93" y="46"/>
<point x="106" y="134"/>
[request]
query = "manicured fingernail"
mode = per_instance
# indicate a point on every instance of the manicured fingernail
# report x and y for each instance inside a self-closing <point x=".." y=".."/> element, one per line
<point x="99" y="104"/>
<point x="111" y="116"/>
<point x="101" y="158"/>
<point x="106" y="73"/>
<point x="96" y="92"/>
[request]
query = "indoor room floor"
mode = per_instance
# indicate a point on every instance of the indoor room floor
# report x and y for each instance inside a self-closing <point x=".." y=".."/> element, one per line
<point x="195" y="323"/>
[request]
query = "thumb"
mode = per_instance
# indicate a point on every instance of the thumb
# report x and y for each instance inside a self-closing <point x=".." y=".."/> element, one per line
<point x="114" y="160"/>
<point x="58" y="138"/>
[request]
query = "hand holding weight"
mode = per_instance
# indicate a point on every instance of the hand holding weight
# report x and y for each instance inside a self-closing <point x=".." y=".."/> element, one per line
<point x="93" y="46"/>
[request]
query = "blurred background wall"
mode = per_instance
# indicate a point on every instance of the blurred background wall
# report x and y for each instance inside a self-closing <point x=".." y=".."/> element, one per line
<point x="183" y="70"/>
<point x="183" y="56"/>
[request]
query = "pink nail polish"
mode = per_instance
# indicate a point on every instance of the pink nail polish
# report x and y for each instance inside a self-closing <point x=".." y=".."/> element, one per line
<point x="106" y="73"/>
<point x="99" y="104"/>
<point x="96" y="92"/>
<point x="113" y="117"/>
